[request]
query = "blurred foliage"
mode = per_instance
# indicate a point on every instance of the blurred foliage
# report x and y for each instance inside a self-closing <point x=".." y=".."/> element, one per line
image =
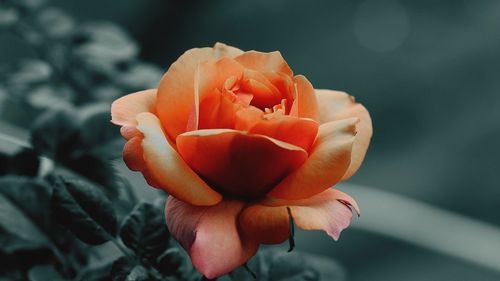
<point x="65" y="212"/>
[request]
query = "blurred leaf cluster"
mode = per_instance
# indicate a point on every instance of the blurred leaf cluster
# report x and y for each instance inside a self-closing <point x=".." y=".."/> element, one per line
<point x="74" y="63"/>
<point x="65" y="212"/>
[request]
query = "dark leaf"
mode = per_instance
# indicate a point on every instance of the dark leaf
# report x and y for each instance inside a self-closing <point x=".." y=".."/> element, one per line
<point x="84" y="210"/>
<point x="145" y="231"/>
<point x="100" y="273"/>
<point x="25" y="162"/>
<point x="44" y="273"/>
<point x="23" y="214"/>
<point x="278" y="265"/>
<point x="98" y="136"/>
<point x="170" y="262"/>
<point x="54" y="133"/>
<point x="124" y="269"/>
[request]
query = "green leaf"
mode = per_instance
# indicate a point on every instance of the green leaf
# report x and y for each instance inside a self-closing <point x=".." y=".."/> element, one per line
<point x="97" y="135"/>
<point x="54" y="133"/>
<point x="145" y="231"/>
<point x="24" y="220"/>
<point x="124" y="269"/>
<point x="277" y="265"/>
<point x="23" y="162"/>
<point x="171" y="262"/>
<point x="44" y="273"/>
<point x="84" y="210"/>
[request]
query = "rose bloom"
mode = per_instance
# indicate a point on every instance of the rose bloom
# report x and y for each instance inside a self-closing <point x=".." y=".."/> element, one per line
<point x="236" y="138"/>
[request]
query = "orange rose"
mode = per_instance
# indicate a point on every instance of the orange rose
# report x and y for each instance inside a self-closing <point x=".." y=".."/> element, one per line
<point x="235" y="138"/>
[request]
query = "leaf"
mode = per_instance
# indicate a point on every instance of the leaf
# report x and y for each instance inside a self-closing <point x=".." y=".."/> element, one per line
<point x="145" y="231"/>
<point x="44" y="273"/>
<point x="55" y="23"/>
<point x="171" y="262"/>
<point x="98" y="136"/>
<point x="84" y="210"/>
<point x="54" y="133"/>
<point x="25" y="162"/>
<point x="124" y="269"/>
<point x="24" y="205"/>
<point x="278" y="265"/>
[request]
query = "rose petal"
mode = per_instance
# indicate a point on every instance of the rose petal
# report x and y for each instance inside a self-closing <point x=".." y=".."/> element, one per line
<point x="327" y="163"/>
<point x="210" y="108"/>
<point x="176" y="91"/>
<point x="265" y="94"/>
<point x="223" y="50"/>
<point x="305" y="104"/>
<point x="335" y="105"/>
<point x="210" y="235"/>
<point x="268" y="221"/>
<point x="124" y="109"/>
<point x="297" y="131"/>
<point x="239" y="163"/>
<point x="164" y="167"/>
<point x="264" y="62"/>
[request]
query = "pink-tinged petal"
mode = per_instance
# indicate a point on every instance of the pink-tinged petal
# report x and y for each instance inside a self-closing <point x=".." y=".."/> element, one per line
<point x="305" y="104"/>
<point x="328" y="161"/>
<point x="268" y="220"/>
<point x="176" y="91"/>
<point x="297" y="131"/>
<point x="129" y="132"/>
<point x="210" y="235"/>
<point x="264" y="62"/>
<point x="239" y="163"/>
<point x="164" y="167"/>
<point x="124" y="109"/>
<point x="335" y="105"/>
<point x="133" y="153"/>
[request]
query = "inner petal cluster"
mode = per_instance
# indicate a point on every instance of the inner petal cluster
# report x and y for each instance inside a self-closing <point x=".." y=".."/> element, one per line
<point x="264" y="140"/>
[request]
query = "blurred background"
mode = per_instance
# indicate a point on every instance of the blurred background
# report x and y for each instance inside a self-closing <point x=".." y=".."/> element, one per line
<point x="428" y="72"/>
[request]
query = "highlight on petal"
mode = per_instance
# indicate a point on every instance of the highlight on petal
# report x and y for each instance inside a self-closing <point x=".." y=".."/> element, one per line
<point x="264" y="62"/>
<point x="165" y="168"/>
<point x="239" y="163"/>
<point x="176" y="91"/>
<point x="268" y="220"/>
<point x="210" y="235"/>
<point x="305" y="104"/>
<point x="223" y="50"/>
<point x="335" y="105"/>
<point x="124" y="109"/>
<point x="328" y="161"/>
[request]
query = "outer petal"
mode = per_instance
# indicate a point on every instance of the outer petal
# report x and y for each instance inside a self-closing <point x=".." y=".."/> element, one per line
<point x="327" y="163"/>
<point x="163" y="167"/>
<point x="334" y="105"/>
<point x="125" y="109"/>
<point x="239" y="163"/>
<point x="264" y="62"/>
<point x="305" y="104"/>
<point x="176" y="90"/>
<point x="210" y="235"/>
<point x="268" y="220"/>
